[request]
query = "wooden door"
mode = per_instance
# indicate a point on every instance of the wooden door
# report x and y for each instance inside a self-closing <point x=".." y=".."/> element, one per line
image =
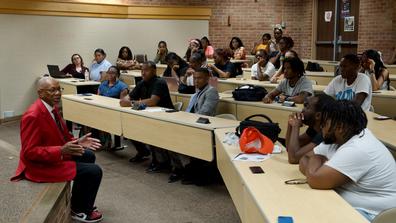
<point x="334" y="41"/>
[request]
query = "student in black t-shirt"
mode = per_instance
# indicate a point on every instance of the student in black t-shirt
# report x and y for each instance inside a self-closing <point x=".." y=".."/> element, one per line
<point x="222" y="68"/>
<point x="298" y="145"/>
<point x="151" y="91"/>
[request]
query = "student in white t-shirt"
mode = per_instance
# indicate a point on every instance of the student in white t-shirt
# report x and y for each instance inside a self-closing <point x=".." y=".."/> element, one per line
<point x="351" y="85"/>
<point x="267" y="69"/>
<point x="352" y="161"/>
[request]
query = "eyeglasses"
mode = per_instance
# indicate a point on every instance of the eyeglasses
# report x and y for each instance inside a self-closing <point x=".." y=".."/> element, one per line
<point x="296" y="181"/>
<point x="259" y="56"/>
<point x="54" y="90"/>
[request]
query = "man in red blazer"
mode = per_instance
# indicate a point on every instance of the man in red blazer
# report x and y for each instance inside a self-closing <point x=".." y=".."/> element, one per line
<point x="49" y="153"/>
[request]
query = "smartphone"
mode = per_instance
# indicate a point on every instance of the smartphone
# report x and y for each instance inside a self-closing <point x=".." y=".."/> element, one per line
<point x="171" y="110"/>
<point x="88" y="99"/>
<point x="382" y="117"/>
<point x="203" y="120"/>
<point x="285" y="219"/>
<point x="86" y="94"/>
<point x="256" y="169"/>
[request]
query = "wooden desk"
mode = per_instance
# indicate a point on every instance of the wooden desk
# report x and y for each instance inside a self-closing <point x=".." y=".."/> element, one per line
<point x="100" y="112"/>
<point x="264" y="197"/>
<point x="211" y="61"/>
<point x="383" y="102"/>
<point x="129" y="76"/>
<point x="392" y="78"/>
<point x="328" y="66"/>
<point x="177" y="131"/>
<point x="391" y="68"/>
<point x="72" y="85"/>
<point x="160" y="69"/>
<point x="383" y="130"/>
<point x="243" y="109"/>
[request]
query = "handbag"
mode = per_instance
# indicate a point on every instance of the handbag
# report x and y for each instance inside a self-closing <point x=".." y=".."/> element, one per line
<point x="269" y="129"/>
<point x="252" y="141"/>
<point x="249" y="93"/>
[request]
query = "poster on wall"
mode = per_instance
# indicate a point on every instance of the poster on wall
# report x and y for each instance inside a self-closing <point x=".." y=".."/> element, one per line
<point x="345" y="8"/>
<point x="328" y="15"/>
<point x="349" y="24"/>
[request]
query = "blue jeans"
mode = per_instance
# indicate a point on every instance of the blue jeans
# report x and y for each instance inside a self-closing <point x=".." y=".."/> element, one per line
<point x="365" y="214"/>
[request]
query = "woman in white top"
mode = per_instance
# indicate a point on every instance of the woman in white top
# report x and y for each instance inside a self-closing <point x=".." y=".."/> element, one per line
<point x="373" y="66"/>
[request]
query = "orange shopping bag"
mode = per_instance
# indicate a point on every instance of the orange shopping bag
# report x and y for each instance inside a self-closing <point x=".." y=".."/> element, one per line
<point x="252" y="141"/>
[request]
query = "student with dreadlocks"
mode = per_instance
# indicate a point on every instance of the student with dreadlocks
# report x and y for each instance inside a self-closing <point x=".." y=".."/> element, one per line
<point x="351" y="85"/>
<point x="352" y="161"/>
<point x="298" y="145"/>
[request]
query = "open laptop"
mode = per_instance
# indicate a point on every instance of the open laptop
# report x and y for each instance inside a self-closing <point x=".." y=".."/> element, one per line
<point x="172" y="83"/>
<point x="55" y="72"/>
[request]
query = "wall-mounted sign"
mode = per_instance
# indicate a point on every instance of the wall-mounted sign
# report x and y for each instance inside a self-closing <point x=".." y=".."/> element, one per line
<point x="345" y="8"/>
<point x="327" y="16"/>
<point x="349" y="24"/>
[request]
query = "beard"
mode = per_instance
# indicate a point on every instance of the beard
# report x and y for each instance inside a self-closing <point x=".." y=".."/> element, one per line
<point x="329" y="138"/>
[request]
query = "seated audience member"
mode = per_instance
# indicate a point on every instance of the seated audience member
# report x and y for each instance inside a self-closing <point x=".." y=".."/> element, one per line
<point x="114" y="88"/>
<point x="176" y="66"/>
<point x="76" y="69"/>
<point x="125" y="60"/>
<point x="351" y="85"/>
<point x="50" y="154"/>
<point x="193" y="46"/>
<point x="162" y="51"/>
<point x="263" y="45"/>
<point x="99" y="66"/>
<point x="278" y="33"/>
<point x="285" y="44"/>
<point x="237" y="48"/>
<point x="263" y="69"/>
<point x="207" y="47"/>
<point x="295" y="87"/>
<point x="197" y="61"/>
<point x="222" y="67"/>
<point x="298" y="145"/>
<point x="373" y="66"/>
<point x="279" y="75"/>
<point x="239" y="53"/>
<point x="203" y="102"/>
<point x="352" y="161"/>
<point x="151" y="91"/>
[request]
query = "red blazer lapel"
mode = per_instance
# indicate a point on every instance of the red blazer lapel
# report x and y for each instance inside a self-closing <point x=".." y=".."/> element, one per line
<point x="47" y="116"/>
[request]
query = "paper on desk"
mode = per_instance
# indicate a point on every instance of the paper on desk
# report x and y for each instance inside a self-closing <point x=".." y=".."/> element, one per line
<point x="154" y="109"/>
<point x="257" y="157"/>
<point x="252" y="157"/>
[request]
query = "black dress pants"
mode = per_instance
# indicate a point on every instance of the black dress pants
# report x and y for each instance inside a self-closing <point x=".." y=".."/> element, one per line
<point x="86" y="183"/>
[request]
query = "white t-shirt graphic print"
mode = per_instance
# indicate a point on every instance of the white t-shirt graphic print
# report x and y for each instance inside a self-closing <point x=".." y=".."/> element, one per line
<point x="339" y="89"/>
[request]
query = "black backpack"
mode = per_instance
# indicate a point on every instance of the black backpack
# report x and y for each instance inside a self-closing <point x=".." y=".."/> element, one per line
<point x="269" y="129"/>
<point x="249" y="93"/>
<point x="312" y="66"/>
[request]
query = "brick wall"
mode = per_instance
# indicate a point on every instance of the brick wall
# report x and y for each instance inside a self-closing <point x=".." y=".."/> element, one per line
<point x="250" y="19"/>
<point x="377" y="26"/>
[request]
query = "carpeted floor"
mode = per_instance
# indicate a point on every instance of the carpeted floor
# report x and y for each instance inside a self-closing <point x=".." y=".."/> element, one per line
<point x="128" y="193"/>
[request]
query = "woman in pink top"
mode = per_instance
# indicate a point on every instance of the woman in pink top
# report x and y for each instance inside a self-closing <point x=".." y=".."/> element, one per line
<point x="207" y="47"/>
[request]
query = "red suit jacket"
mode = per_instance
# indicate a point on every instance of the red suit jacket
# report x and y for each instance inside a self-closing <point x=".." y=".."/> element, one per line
<point x="40" y="158"/>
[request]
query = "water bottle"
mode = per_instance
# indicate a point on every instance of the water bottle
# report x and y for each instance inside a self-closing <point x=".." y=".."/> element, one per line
<point x="86" y="75"/>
